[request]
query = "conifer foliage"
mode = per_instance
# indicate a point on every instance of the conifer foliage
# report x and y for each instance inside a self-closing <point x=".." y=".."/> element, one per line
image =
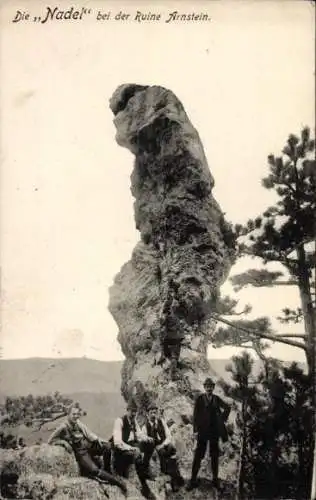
<point x="285" y="234"/>
<point x="276" y="419"/>
<point x="274" y="424"/>
<point x="31" y="411"/>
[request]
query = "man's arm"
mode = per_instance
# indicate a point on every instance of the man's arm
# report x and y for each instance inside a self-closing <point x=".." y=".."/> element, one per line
<point x="167" y="434"/>
<point x="117" y="436"/>
<point x="89" y="435"/>
<point x="57" y="434"/>
<point x="225" y="407"/>
<point x="195" y="413"/>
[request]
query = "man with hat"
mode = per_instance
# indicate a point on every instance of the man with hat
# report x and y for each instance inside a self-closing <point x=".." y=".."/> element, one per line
<point x="209" y="417"/>
<point x="130" y="446"/>
<point x="157" y="430"/>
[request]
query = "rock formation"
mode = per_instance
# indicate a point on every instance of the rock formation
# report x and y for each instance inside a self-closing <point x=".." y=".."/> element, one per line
<point x="163" y="298"/>
<point x="50" y="472"/>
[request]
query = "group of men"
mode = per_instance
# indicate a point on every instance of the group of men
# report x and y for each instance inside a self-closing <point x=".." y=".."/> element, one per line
<point x="131" y="443"/>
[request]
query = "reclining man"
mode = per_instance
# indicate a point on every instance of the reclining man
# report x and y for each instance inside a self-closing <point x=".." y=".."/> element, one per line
<point x="130" y="446"/>
<point x="156" y="428"/>
<point x="87" y="447"/>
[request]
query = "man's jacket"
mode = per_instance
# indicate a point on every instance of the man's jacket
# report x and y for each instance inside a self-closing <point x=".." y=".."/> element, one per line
<point x="79" y="436"/>
<point x="209" y="417"/>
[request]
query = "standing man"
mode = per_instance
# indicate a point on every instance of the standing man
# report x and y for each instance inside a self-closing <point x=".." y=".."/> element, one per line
<point x="209" y="417"/>
<point x="156" y="429"/>
<point x="132" y="446"/>
<point x="75" y="436"/>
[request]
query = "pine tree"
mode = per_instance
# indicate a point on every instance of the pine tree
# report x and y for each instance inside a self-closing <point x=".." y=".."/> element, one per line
<point x="274" y="421"/>
<point x="241" y="371"/>
<point x="285" y="233"/>
<point x="241" y="391"/>
<point x="299" y="399"/>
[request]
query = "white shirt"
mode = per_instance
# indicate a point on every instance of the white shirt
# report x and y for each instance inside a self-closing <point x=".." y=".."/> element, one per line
<point x="117" y="435"/>
<point x="166" y="428"/>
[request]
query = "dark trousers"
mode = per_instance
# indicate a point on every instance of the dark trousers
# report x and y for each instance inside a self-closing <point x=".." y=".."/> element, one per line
<point x="123" y="459"/>
<point x="91" y="467"/>
<point x="199" y="454"/>
<point x="169" y="464"/>
<point x="8" y="483"/>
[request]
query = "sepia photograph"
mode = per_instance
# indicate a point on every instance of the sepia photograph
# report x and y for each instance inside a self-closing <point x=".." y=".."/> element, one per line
<point x="157" y="250"/>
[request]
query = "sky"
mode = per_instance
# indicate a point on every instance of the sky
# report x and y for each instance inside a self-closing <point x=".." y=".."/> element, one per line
<point x="246" y="79"/>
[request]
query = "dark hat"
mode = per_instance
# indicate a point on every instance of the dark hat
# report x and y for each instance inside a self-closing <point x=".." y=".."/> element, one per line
<point x="152" y="406"/>
<point x="208" y="381"/>
<point x="131" y="405"/>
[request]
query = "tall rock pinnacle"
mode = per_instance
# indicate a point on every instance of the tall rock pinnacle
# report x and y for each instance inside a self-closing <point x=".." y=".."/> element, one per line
<point x="163" y="298"/>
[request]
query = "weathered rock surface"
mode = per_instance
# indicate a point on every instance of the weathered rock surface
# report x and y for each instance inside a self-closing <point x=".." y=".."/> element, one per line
<point x="50" y="472"/>
<point x="47" y="459"/>
<point x="165" y="295"/>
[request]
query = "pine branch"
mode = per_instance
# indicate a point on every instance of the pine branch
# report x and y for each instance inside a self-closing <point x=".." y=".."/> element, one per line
<point x="267" y="336"/>
<point x="246" y="310"/>
<point x="226" y="306"/>
<point x="293" y="335"/>
<point x="258" y="350"/>
<point x="304" y="241"/>
<point x="260" y="278"/>
<point x="281" y="283"/>
<point x="291" y="315"/>
<point x="47" y="420"/>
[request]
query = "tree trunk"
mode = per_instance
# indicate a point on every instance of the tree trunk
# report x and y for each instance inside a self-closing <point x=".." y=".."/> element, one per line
<point x="308" y="309"/>
<point x="243" y="452"/>
<point x="313" y="492"/>
<point x="310" y="330"/>
<point x="313" y="485"/>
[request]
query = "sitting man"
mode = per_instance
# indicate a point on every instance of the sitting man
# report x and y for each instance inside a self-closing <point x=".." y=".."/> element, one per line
<point x="156" y="429"/>
<point x="131" y="446"/>
<point x="86" y="447"/>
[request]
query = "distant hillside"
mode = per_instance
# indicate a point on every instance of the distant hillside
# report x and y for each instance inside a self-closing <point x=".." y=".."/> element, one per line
<point x="68" y="375"/>
<point x="73" y="375"/>
<point x="94" y="384"/>
<point x="42" y="376"/>
<point x="102" y="409"/>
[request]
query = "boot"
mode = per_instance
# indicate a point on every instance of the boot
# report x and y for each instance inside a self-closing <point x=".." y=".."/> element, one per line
<point x="111" y="479"/>
<point x="192" y="485"/>
<point x="215" y="482"/>
<point x="146" y="492"/>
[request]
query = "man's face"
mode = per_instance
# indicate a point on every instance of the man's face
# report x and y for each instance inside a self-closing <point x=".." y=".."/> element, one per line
<point x="131" y="412"/>
<point x="152" y="414"/>
<point x="209" y="388"/>
<point x="74" y="415"/>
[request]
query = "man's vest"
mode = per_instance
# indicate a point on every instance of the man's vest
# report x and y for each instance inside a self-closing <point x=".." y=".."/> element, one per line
<point x="127" y="428"/>
<point x="156" y="431"/>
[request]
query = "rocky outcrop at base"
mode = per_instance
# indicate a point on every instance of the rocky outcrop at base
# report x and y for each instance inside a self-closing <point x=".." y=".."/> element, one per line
<point x="50" y="472"/>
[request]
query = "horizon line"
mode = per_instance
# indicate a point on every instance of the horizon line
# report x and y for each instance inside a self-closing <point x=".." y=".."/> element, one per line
<point x="84" y="357"/>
